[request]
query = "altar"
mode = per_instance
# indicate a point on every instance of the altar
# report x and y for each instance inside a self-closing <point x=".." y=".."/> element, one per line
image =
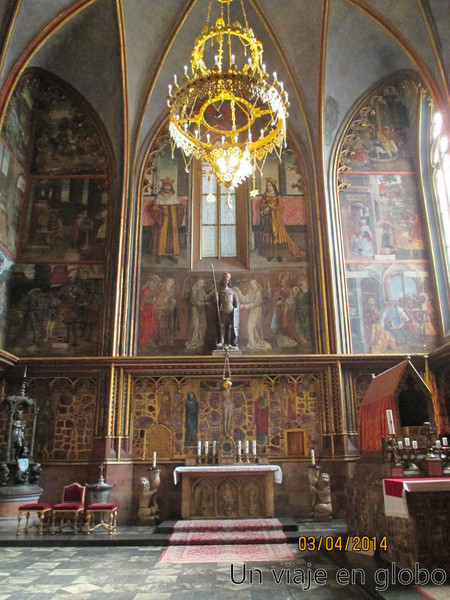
<point x="228" y="491"/>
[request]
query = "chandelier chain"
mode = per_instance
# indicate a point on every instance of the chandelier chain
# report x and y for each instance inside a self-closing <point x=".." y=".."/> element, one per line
<point x="209" y="13"/>
<point x="245" y="15"/>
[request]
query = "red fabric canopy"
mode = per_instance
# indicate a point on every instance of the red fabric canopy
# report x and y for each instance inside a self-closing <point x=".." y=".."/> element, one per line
<point x="379" y="397"/>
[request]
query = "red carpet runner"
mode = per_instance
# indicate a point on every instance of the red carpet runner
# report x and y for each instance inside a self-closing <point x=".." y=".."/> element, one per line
<point x="227" y="540"/>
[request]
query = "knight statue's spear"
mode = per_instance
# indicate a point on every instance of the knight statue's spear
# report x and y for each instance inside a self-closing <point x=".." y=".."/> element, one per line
<point x="217" y="305"/>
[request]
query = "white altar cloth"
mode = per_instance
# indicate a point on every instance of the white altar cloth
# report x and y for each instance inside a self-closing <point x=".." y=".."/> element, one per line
<point x="278" y="473"/>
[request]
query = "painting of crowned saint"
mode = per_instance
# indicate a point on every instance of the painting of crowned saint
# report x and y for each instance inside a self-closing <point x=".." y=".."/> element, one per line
<point x="279" y="227"/>
<point x="164" y="221"/>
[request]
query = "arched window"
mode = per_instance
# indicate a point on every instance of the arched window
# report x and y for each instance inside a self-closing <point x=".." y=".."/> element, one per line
<point x="218" y="219"/>
<point x="440" y="163"/>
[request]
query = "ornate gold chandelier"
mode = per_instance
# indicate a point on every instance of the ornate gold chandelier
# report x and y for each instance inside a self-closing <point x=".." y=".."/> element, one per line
<point x="228" y="114"/>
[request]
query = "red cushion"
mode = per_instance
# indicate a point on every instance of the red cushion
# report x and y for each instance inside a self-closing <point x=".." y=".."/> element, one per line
<point x="74" y="493"/>
<point x="68" y="506"/>
<point x="35" y="506"/>
<point x="102" y="506"/>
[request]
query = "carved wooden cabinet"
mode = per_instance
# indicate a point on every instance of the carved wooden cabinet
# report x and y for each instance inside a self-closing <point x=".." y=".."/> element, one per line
<point x="228" y="492"/>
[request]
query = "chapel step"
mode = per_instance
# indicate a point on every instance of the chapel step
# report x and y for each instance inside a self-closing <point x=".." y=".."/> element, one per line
<point x="228" y="525"/>
<point x="167" y="526"/>
<point x="200" y="538"/>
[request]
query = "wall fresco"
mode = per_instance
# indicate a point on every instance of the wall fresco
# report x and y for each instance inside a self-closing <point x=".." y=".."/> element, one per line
<point x="12" y="188"/>
<point x="390" y="293"/>
<point x="6" y="270"/>
<point x="177" y="312"/>
<point x="66" y="220"/>
<point x="18" y="122"/>
<point x="194" y="411"/>
<point x="55" y="310"/>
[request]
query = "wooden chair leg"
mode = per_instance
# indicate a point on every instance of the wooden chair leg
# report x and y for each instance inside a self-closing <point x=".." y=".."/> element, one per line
<point x="111" y="522"/>
<point x="41" y="522"/>
<point x="19" y="518"/>
<point x="26" y="521"/>
<point x="88" y="523"/>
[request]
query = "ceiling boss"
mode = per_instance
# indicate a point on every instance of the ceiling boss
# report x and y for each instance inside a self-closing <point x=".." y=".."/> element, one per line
<point x="228" y="114"/>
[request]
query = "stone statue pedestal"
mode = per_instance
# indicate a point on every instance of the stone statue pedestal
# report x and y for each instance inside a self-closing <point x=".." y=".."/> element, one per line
<point x="231" y="351"/>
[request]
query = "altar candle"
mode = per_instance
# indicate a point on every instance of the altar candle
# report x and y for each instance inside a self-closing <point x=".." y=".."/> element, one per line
<point x="407" y="442"/>
<point x="390" y="422"/>
<point x="444" y="442"/>
<point x="254" y="447"/>
<point x="25" y="372"/>
<point x="154" y="460"/>
<point x="207" y="447"/>
<point x="239" y="447"/>
<point x="199" y="448"/>
<point x="246" y="447"/>
<point x="438" y="444"/>
<point x="414" y="445"/>
<point x="313" y="457"/>
<point x="214" y="447"/>
<point x="400" y="445"/>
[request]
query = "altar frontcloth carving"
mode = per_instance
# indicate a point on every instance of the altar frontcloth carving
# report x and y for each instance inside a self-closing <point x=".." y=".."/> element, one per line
<point x="232" y="491"/>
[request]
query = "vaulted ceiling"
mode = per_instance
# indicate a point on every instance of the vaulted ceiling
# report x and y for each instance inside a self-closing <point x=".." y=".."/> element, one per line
<point x="121" y="54"/>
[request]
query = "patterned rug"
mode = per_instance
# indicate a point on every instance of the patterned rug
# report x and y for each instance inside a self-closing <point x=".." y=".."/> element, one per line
<point x="227" y="553"/>
<point x="227" y="537"/>
<point x="228" y="525"/>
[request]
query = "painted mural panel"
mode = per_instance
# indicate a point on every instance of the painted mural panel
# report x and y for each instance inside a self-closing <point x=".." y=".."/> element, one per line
<point x="171" y="419"/>
<point x="66" y="220"/>
<point x="177" y="313"/>
<point x="279" y="232"/>
<point x="55" y="310"/>
<point x="12" y="188"/>
<point x="390" y="294"/>
<point x="6" y="269"/>
<point x="17" y="126"/>
<point x="279" y="218"/>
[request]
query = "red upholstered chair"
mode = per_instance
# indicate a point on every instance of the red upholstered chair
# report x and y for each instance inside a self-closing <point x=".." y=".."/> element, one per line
<point x="70" y="508"/>
<point x="41" y="509"/>
<point x="107" y="516"/>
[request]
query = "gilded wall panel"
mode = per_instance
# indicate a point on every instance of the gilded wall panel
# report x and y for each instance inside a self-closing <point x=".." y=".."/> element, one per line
<point x="65" y="423"/>
<point x="260" y="409"/>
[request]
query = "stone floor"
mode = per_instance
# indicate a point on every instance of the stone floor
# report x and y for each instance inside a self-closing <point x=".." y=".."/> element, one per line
<point x="132" y="572"/>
